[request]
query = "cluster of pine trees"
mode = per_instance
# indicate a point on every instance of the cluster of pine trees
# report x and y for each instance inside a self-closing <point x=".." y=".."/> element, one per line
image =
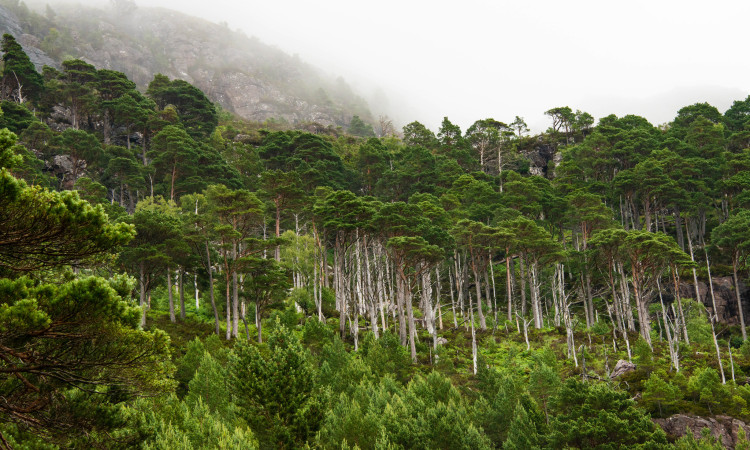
<point x="429" y="290"/>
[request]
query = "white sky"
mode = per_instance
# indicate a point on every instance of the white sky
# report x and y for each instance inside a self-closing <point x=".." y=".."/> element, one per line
<point x="474" y="59"/>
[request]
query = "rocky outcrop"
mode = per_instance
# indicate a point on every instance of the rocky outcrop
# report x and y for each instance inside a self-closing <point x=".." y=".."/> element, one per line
<point x="621" y="368"/>
<point x="726" y="301"/>
<point x="724" y="428"/>
<point x="9" y="23"/>
<point x="243" y="75"/>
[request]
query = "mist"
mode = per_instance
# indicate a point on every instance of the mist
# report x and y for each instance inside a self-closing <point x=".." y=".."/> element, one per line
<point x="422" y="60"/>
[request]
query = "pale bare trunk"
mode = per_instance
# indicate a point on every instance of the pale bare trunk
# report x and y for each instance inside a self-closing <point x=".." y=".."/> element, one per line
<point x="170" y="292"/>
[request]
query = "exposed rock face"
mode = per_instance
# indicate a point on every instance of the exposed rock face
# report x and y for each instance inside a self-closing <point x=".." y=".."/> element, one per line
<point x="61" y="167"/>
<point x="621" y="368"/>
<point x="10" y="24"/>
<point x="723" y="428"/>
<point x="543" y="158"/>
<point x="726" y="301"/>
<point x="243" y="75"/>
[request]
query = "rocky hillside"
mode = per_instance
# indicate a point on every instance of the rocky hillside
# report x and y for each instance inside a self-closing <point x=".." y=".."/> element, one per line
<point x="242" y="74"/>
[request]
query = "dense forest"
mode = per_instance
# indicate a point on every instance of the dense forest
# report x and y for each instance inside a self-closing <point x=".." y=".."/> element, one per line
<point x="176" y="277"/>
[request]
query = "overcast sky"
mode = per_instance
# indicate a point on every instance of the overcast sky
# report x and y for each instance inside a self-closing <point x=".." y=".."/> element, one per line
<point x="476" y="59"/>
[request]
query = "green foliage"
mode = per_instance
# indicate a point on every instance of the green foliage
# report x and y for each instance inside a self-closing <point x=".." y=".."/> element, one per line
<point x="659" y="395"/>
<point x="525" y="432"/>
<point x="197" y="114"/>
<point x="316" y="334"/>
<point x="59" y="340"/>
<point x="598" y="416"/>
<point x="386" y="355"/>
<point x="644" y="356"/>
<point x="495" y="409"/>
<point x="340" y="370"/>
<point x="705" y="387"/>
<point x="275" y="390"/>
<point x="209" y="385"/>
<point x="20" y="80"/>
<point x="169" y="423"/>
<point x="357" y="127"/>
<point x="705" y="442"/>
<point x="16" y="117"/>
<point x="428" y="413"/>
<point x="41" y="229"/>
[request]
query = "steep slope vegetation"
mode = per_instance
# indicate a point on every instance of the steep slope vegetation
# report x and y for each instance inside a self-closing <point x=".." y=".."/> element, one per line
<point x="256" y="81"/>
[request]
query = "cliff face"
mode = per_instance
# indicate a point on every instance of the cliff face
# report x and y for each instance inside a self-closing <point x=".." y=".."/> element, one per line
<point x="726" y="300"/>
<point x="243" y="75"/>
<point x="10" y="24"/>
<point x="724" y="428"/>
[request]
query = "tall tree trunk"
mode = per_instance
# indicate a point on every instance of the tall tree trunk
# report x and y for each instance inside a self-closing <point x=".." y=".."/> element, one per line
<point x="473" y="337"/>
<point x="142" y="282"/>
<point x="683" y="322"/>
<point x="625" y="290"/>
<point x="535" y="295"/>
<point x="509" y="285"/>
<point x="678" y="227"/>
<point x="735" y="263"/>
<point x="235" y="305"/>
<point x="644" y="321"/>
<point x="718" y="351"/>
<point x="197" y="292"/>
<point x="211" y="290"/>
<point x="401" y="301"/>
<point x="278" y="229"/>
<point x="410" y="316"/>
<point x="453" y="298"/>
<point x="522" y="271"/>
<point x="227" y="278"/>
<point x="672" y="342"/>
<point x="439" y="298"/>
<point x="181" y="289"/>
<point x="695" y="273"/>
<point x="482" y="322"/>
<point x="170" y="292"/>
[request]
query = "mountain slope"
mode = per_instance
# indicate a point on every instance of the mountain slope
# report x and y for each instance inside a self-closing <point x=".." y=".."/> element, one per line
<point x="256" y="81"/>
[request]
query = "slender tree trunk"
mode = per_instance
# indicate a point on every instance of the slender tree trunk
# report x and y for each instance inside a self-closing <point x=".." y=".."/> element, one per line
<point x="170" y="293"/>
<point x="453" y="299"/>
<point x="410" y="315"/>
<point x="718" y="353"/>
<point x="211" y="290"/>
<point x="509" y="285"/>
<point x="522" y="270"/>
<point x="643" y="316"/>
<point x="181" y="289"/>
<point x="678" y="227"/>
<point x="482" y="323"/>
<point x="626" y="297"/>
<point x="683" y="322"/>
<point x="227" y="279"/>
<point x="494" y="290"/>
<point x="278" y="228"/>
<point x="692" y="258"/>
<point x="735" y="263"/>
<point x="673" y="356"/>
<point x="142" y="282"/>
<point x="535" y="295"/>
<point x="473" y="337"/>
<point x="401" y="300"/>
<point x="197" y="293"/>
<point x="439" y="298"/>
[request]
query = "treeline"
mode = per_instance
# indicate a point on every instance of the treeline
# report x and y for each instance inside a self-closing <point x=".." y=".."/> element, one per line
<point x="389" y="240"/>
